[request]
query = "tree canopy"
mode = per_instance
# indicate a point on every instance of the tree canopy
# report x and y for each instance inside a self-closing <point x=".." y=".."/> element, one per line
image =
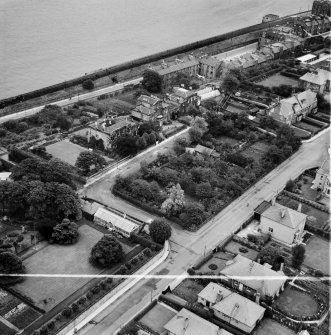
<point x="126" y="145"/>
<point x="152" y="81"/>
<point x="107" y="252"/>
<point x="10" y="263"/>
<point x="88" y="160"/>
<point x="298" y="255"/>
<point x="160" y="230"/>
<point x="65" y="232"/>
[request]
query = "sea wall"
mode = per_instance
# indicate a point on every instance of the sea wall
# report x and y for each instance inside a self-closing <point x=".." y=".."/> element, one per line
<point x="214" y="44"/>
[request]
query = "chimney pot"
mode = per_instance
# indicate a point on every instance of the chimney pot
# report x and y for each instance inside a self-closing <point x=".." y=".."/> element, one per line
<point x="299" y="207"/>
<point x="283" y="213"/>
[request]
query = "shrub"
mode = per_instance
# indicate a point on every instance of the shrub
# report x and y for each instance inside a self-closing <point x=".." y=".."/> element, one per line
<point x="74" y="307"/>
<point x="88" y="84"/>
<point x="67" y="312"/>
<point x="141" y="257"/>
<point x="134" y="261"/>
<point x="191" y="271"/>
<point x="147" y="252"/>
<point x="103" y="284"/>
<point x="122" y="270"/>
<point x="51" y="325"/>
<point x="96" y="289"/>
<point x="65" y="232"/>
<point x="12" y="234"/>
<point x="19" y="238"/>
<point x="212" y="267"/>
<point x="82" y="300"/>
<point x="43" y="330"/>
<point x="109" y="280"/>
<point x="89" y="295"/>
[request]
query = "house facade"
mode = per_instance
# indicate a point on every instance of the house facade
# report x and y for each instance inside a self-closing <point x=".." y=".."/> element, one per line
<point x="317" y="81"/>
<point x="237" y="275"/>
<point x="283" y="224"/>
<point x="209" y="67"/>
<point x="322" y="179"/>
<point x="112" y="221"/>
<point x="295" y="108"/>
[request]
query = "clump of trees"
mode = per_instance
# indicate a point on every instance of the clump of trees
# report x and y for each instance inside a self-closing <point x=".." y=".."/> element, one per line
<point x="160" y="230"/>
<point x="88" y="161"/>
<point x="88" y="84"/>
<point x="298" y="255"/>
<point x="107" y="252"/>
<point x="152" y="81"/>
<point x="10" y="264"/>
<point x="65" y="232"/>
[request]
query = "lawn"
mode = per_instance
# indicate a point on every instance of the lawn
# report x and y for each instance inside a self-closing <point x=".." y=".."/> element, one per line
<point x="301" y="133"/>
<point x="318" y="254"/>
<point x="256" y="151"/>
<point x="65" y="151"/>
<point x="307" y="191"/>
<point x="293" y="301"/>
<point x="157" y="317"/>
<point x="272" y="327"/>
<point x="219" y="259"/>
<point x="4" y="330"/>
<point x="233" y="247"/>
<point x="277" y="80"/>
<point x="188" y="290"/>
<point x="47" y="292"/>
<point x="308" y="127"/>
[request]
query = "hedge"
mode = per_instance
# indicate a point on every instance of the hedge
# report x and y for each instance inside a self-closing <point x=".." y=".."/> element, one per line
<point x="17" y="155"/>
<point x="145" y="242"/>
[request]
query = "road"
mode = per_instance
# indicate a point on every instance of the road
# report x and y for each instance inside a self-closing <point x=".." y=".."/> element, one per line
<point x="65" y="102"/>
<point x="187" y="247"/>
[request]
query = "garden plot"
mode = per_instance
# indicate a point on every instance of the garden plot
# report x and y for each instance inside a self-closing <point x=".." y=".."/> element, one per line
<point x="157" y="317"/>
<point x="188" y="290"/>
<point x="277" y="80"/>
<point x="256" y="151"/>
<point x="237" y="248"/>
<point x="216" y="263"/>
<point x="298" y="303"/>
<point x="272" y="327"/>
<point x="47" y="292"/>
<point x="308" y="127"/>
<point x="318" y="254"/>
<point x="65" y="151"/>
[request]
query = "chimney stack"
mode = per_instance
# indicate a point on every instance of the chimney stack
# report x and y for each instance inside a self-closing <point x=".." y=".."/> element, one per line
<point x="273" y="201"/>
<point x="283" y="213"/>
<point x="257" y="298"/>
<point x="281" y="266"/>
<point x="299" y="207"/>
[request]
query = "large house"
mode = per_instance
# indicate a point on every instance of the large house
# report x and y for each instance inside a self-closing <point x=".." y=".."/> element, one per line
<point x="112" y="221"/>
<point x="322" y="181"/>
<point x="209" y="67"/>
<point x="231" y="307"/>
<point x="295" y="108"/>
<point x="188" y="323"/>
<point x="151" y="109"/>
<point x="284" y="224"/>
<point x="253" y="278"/>
<point x="317" y="81"/>
<point x="108" y="130"/>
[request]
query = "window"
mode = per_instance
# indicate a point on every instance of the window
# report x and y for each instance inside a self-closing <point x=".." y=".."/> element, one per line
<point x="271" y="230"/>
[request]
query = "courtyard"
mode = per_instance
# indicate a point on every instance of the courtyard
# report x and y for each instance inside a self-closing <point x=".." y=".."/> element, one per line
<point x="296" y="302"/>
<point x="58" y="261"/>
<point x="65" y="151"/>
<point x="272" y="327"/>
<point x="277" y="80"/>
<point x="318" y="254"/>
<point x="157" y="317"/>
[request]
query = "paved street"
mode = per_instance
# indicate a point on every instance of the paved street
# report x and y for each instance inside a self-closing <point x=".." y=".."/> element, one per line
<point x="189" y="246"/>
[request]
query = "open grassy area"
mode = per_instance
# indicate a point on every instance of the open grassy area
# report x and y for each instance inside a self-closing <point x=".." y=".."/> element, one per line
<point x="272" y="327"/>
<point x="233" y="247"/>
<point x="4" y="330"/>
<point x="308" y="127"/>
<point x="157" y="317"/>
<point x="66" y="151"/>
<point x="188" y="290"/>
<point x="318" y="254"/>
<point x="256" y="151"/>
<point x="277" y="80"/>
<point x="47" y="292"/>
<point x="296" y="302"/>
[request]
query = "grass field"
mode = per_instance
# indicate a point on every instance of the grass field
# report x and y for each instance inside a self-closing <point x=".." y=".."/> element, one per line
<point x="296" y="302"/>
<point x="318" y="254"/>
<point x="66" y="151"/>
<point x="58" y="259"/>
<point x="277" y="80"/>
<point x="272" y="327"/>
<point x="256" y="151"/>
<point x="157" y="317"/>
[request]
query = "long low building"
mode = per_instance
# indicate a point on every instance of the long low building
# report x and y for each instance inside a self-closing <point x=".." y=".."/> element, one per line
<point x="112" y="221"/>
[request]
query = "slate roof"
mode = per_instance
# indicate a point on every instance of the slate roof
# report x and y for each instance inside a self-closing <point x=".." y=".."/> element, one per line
<point x="178" y="67"/>
<point x="144" y="110"/>
<point x="148" y="100"/>
<point x="203" y="150"/>
<point x="319" y="77"/>
<point x="262" y="279"/>
<point x="209" y="61"/>
<point x="115" y="220"/>
<point x="240" y="309"/>
<point x="211" y="292"/>
<point x="291" y="218"/>
<point x="188" y="323"/>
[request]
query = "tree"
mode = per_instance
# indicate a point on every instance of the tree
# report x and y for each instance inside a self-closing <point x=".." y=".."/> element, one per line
<point x="193" y="111"/>
<point x="160" y="230"/>
<point x="192" y="215"/>
<point x="88" y="84"/>
<point x="200" y="123"/>
<point x="84" y="119"/>
<point x="195" y="134"/>
<point x="298" y="255"/>
<point x="268" y="122"/>
<point x="63" y="122"/>
<point x="126" y="145"/>
<point x="88" y="160"/>
<point x="65" y="232"/>
<point x="148" y="127"/>
<point x="230" y="83"/>
<point x="204" y="190"/>
<point x="175" y="201"/>
<point x="107" y="252"/>
<point x="181" y="79"/>
<point x="152" y="81"/>
<point x="290" y="185"/>
<point x="10" y="263"/>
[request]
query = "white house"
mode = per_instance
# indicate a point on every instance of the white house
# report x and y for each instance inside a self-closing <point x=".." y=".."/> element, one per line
<point x="284" y="224"/>
<point x="322" y="179"/>
<point x="253" y="278"/>
<point x="231" y="307"/>
<point x="188" y="323"/>
<point x="5" y="176"/>
<point x="112" y="221"/>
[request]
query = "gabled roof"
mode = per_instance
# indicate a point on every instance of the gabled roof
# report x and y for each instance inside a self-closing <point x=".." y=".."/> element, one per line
<point x="178" y="67"/>
<point x="254" y="275"/>
<point x="239" y="308"/>
<point x="203" y="150"/>
<point x="115" y="220"/>
<point x="213" y="291"/>
<point x="151" y="101"/>
<point x="144" y="110"/>
<point x="285" y="216"/>
<point x="209" y="61"/>
<point x="313" y="78"/>
<point x="188" y="323"/>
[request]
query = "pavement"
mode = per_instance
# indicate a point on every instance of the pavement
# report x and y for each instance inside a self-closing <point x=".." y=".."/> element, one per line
<point x="186" y="247"/>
